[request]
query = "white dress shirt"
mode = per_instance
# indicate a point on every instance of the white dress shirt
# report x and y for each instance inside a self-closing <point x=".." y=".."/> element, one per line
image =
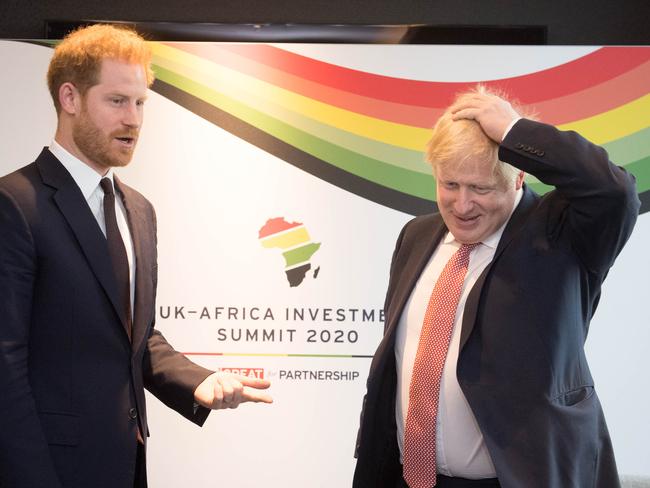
<point x="87" y="179"/>
<point x="460" y="448"/>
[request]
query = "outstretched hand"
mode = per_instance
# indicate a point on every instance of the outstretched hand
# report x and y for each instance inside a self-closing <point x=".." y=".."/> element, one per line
<point x="492" y="113"/>
<point x="228" y="390"/>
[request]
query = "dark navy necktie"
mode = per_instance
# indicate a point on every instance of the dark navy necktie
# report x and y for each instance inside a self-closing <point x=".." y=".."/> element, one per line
<point x="117" y="252"/>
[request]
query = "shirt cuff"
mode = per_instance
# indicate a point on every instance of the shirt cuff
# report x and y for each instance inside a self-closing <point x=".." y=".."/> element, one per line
<point x="505" y="133"/>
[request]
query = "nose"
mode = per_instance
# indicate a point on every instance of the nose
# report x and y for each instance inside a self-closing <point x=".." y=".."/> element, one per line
<point x="463" y="204"/>
<point x="132" y="116"/>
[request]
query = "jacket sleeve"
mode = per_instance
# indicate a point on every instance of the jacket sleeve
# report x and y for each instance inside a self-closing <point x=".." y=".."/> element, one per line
<point x="167" y="373"/>
<point x="598" y="200"/>
<point x="25" y="460"/>
<point x="172" y="378"/>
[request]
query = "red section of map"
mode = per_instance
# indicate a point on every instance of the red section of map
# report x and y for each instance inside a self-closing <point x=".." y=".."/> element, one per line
<point x="278" y="224"/>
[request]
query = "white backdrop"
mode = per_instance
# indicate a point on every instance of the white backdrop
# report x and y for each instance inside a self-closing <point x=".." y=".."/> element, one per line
<point x="213" y="193"/>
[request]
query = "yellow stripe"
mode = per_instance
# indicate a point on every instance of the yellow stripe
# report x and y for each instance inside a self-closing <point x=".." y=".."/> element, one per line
<point x="614" y="124"/>
<point x="289" y="239"/>
<point x="249" y="90"/>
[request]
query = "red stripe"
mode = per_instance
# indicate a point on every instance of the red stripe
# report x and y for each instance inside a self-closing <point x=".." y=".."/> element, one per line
<point x="278" y="224"/>
<point x="597" y="99"/>
<point x="416" y="116"/>
<point x="593" y="99"/>
<point x="577" y="75"/>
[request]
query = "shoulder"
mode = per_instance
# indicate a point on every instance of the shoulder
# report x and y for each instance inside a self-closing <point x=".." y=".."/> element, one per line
<point x="21" y="184"/>
<point x="418" y="231"/>
<point x="422" y="224"/>
<point x="133" y="196"/>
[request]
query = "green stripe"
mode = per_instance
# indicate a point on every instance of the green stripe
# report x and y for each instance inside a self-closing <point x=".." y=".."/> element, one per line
<point x="376" y="150"/>
<point x="300" y="254"/>
<point x="630" y="148"/>
<point x="540" y="188"/>
<point x="631" y="151"/>
<point x="641" y="170"/>
<point x="381" y="151"/>
<point x="385" y="174"/>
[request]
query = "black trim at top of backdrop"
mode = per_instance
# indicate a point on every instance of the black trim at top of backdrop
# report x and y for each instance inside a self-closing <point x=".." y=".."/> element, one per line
<point x="320" y="33"/>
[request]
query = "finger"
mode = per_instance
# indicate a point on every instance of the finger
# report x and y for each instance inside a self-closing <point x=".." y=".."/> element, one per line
<point x="237" y="390"/>
<point x="474" y="101"/>
<point x="217" y="400"/>
<point x="466" y="113"/>
<point x="258" y="383"/>
<point x="228" y="390"/>
<point x="251" y="395"/>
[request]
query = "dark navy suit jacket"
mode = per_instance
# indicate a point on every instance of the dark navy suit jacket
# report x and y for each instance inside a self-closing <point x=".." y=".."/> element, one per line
<point x="71" y="383"/>
<point x="522" y="364"/>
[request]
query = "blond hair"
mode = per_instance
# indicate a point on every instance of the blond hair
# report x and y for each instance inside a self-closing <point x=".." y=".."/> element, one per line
<point x="78" y="58"/>
<point x="463" y="141"/>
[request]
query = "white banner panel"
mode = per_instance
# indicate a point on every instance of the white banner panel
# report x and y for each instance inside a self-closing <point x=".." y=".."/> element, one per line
<point x="272" y="263"/>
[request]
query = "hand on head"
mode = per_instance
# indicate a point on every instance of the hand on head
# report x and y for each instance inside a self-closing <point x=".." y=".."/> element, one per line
<point x="228" y="390"/>
<point x="492" y="113"/>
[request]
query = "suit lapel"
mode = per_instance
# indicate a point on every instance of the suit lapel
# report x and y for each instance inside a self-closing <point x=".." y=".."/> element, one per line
<point x="419" y="256"/>
<point x="418" y="249"/>
<point x="515" y="224"/>
<point x="141" y="236"/>
<point x="75" y="209"/>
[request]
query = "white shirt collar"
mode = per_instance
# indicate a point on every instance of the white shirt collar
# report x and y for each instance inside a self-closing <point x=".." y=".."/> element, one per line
<point x="494" y="238"/>
<point x="86" y="178"/>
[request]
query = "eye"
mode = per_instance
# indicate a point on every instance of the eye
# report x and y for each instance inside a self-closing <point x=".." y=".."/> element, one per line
<point x="140" y="103"/>
<point x="481" y="190"/>
<point x="450" y="185"/>
<point x="117" y="100"/>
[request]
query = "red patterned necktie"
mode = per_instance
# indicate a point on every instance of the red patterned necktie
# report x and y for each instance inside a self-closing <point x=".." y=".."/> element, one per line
<point x="424" y="390"/>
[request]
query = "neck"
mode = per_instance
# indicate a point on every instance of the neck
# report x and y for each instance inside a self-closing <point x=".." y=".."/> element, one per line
<point x="66" y="141"/>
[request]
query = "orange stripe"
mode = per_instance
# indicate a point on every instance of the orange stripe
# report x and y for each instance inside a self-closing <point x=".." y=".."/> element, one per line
<point x="600" y="98"/>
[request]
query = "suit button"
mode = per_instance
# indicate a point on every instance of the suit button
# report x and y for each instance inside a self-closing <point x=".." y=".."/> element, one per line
<point x="528" y="148"/>
<point x="540" y="153"/>
<point x="133" y="413"/>
<point x="519" y="145"/>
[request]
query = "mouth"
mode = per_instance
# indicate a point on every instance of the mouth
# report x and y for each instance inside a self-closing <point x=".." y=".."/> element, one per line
<point x="467" y="220"/>
<point x="126" y="141"/>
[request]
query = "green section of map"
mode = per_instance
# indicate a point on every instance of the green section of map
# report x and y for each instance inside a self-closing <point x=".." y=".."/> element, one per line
<point x="300" y="254"/>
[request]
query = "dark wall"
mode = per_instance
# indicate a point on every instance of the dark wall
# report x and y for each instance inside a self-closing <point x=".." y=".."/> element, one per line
<point x="568" y="22"/>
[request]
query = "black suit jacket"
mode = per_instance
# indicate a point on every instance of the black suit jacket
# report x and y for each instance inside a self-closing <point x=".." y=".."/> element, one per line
<point x="72" y="384"/>
<point x="522" y="364"/>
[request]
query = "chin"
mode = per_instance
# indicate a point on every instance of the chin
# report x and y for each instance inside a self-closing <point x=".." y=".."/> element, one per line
<point x="465" y="238"/>
<point x="121" y="164"/>
<point x="120" y="161"/>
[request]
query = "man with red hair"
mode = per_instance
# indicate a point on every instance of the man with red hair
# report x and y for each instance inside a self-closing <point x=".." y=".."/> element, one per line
<point x="78" y="277"/>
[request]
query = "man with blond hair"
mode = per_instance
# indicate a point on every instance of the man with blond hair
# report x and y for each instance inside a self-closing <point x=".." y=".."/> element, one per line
<point x="481" y="379"/>
<point x="78" y="278"/>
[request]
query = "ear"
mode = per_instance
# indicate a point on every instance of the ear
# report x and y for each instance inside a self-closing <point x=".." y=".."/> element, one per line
<point x="69" y="98"/>
<point x="520" y="180"/>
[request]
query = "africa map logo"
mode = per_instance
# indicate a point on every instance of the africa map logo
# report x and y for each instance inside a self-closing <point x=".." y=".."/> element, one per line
<point x="293" y="239"/>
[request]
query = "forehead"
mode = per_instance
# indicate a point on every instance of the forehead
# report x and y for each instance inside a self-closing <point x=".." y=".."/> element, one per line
<point x="122" y="75"/>
<point x="468" y="173"/>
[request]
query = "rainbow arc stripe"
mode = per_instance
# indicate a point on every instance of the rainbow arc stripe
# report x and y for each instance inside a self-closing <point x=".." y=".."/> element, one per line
<point x="362" y="130"/>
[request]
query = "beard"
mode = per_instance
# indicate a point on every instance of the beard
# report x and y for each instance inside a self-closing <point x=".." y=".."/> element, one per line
<point x="100" y="147"/>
